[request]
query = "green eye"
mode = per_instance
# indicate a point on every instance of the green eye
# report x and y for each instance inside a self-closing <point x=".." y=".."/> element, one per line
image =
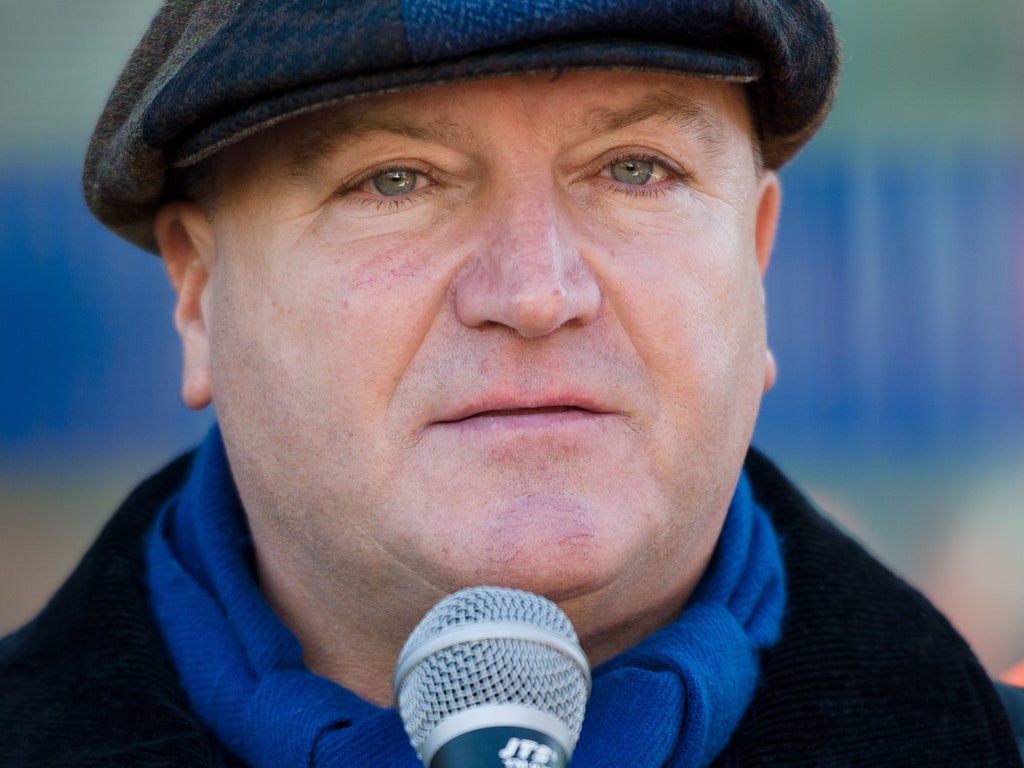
<point x="395" y="182"/>
<point x="635" y="172"/>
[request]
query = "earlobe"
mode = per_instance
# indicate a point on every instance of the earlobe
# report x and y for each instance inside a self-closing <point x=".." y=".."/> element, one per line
<point x="769" y="205"/>
<point x="770" y="370"/>
<point x="185" y="239"/>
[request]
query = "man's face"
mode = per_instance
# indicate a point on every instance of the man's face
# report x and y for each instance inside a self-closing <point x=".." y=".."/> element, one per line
<point x="503" y="332"/>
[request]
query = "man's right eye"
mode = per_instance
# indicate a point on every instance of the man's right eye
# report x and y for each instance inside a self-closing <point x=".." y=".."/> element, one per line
<point x="395" y="182"/>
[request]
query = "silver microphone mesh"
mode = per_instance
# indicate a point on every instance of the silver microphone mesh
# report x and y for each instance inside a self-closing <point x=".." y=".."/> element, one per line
<point x="538" y="664"/>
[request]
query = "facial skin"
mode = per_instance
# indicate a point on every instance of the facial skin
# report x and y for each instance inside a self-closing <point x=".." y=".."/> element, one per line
<point x="504" y="332"/>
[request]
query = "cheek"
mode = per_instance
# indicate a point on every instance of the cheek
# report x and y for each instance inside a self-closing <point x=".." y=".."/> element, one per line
<point x="255" y="361"/>
<point x="692" y="305"/>
<point x="691" y="293"/>
<point x="320" y="325"/>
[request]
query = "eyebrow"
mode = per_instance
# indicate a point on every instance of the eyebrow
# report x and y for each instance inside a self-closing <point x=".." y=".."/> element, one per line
<point x="328" y="132"/>
<point x="679" y="110"/>
<point x="325" y="136"/>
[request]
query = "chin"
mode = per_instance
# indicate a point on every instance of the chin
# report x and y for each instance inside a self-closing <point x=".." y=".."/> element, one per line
<point x="558" y="572"/>
<point x="557" y="545"/>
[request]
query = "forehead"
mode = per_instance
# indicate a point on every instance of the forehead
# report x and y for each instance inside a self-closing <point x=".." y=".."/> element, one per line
<point x="566" y="107"/>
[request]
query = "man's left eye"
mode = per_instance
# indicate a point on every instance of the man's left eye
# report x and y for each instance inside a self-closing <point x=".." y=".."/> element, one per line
<point x="395" y="182"/>
<point x="634" y="171"/>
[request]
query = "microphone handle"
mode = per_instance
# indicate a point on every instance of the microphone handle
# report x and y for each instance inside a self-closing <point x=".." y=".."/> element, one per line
<point x="501" y="746"/>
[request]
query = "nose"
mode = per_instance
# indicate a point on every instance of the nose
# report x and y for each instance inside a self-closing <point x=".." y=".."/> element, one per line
<point x="528" y="273"/>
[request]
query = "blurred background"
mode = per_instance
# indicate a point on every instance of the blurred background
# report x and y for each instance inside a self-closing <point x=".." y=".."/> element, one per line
<point x="896" y="307"/>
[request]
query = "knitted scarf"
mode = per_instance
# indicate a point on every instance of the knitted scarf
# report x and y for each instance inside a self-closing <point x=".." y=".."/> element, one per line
<point x="672" y="700"/>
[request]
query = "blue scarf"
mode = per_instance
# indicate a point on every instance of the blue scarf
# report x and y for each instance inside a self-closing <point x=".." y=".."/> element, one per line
<point x="672" y="700"/>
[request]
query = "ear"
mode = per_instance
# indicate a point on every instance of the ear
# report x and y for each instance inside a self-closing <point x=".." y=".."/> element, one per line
<point x="769" y="205"/>
<point x="185" y="238"/>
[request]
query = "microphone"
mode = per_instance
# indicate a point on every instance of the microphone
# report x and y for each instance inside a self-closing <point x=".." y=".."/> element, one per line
<point x="493" y="677"/>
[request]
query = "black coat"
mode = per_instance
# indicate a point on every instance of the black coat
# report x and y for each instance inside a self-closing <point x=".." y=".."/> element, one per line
<point x="867" y="673"/>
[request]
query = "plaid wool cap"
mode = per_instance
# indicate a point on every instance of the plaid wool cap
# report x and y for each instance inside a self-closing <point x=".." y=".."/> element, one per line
<point x="209" y="72"/>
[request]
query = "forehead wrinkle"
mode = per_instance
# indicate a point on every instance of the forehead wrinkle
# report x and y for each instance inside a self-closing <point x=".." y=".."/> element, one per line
<point x="328" y="134"/>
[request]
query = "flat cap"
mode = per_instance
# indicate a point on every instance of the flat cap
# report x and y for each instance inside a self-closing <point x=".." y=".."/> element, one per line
<point x="209" y="72"/>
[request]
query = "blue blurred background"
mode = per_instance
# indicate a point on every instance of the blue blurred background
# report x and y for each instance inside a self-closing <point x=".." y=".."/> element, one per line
<point x="895" y="306"/>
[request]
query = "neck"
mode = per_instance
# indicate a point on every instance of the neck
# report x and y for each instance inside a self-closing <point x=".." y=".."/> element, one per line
<point x="361" y="651"/>
<point x="345" y="635"/>
<point x="603" y="640"/>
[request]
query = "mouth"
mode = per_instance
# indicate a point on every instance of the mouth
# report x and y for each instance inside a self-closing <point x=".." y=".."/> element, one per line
<point x="545" y="423"/>
<point x="502" y="413"/>
<point x="547" y="420"/>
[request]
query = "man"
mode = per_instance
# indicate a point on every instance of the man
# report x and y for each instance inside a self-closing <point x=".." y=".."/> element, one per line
<point x="476" y="293"/>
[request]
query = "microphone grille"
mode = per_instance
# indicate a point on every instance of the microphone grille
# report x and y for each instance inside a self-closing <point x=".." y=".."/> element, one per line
<point x="445" y="669"/>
